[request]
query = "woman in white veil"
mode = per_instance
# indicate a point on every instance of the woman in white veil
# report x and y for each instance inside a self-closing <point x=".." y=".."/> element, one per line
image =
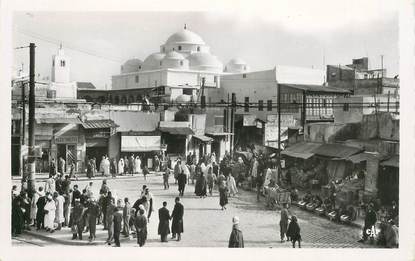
<point x="137" y="165"/>
<point x="121" y="166"/>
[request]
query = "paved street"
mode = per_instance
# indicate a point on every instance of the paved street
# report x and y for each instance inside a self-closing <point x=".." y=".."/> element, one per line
<point x="206" y="225"/>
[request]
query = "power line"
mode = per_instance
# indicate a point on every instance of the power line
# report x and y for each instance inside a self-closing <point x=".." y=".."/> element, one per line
<point x="67" y="45"/>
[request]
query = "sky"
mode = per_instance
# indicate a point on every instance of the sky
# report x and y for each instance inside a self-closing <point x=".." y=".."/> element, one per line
<point x="298" y="34"/>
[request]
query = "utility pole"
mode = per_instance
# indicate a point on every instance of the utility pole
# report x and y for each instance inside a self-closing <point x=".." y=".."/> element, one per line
<point x="381" y="63"/>
<point x="233" y="109"/>
<point x="23" y="128"/>
<point x="31" y="153"/>
<point x="279" y="132"/>
<point x="203" y="97"/>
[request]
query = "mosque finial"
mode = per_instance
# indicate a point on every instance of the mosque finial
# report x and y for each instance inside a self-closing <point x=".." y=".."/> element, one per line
<point x="185" y="26"/>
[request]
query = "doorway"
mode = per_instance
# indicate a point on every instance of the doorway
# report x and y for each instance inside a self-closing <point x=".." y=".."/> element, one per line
<point x="68" y="153"/>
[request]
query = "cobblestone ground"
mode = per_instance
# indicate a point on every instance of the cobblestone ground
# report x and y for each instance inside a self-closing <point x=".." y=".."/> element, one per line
<point x="206" y="225"/>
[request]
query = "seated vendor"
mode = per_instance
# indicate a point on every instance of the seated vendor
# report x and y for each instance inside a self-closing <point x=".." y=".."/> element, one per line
<point x="327" y="205"/>
<point x="308" y="197"/>
<point x="294" y="195"/>
<point x="317" y="201"/>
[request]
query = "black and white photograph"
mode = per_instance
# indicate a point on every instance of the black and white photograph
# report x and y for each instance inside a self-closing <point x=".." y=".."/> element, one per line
<point x="206" y="128"/>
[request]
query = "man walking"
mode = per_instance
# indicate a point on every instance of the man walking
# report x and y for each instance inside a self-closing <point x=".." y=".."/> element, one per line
<point x="283" y="222"/>
<point x="117" y="220"/>
<point x="182" y="179"/>
<point x="40" y="214"/>
<point x="111" y="209"/>
<point x="93" y="212"/>
<point x="164" y="217"/>
<point x="177" y="216"/>
<point x="141" y="227"/>
<point x="77" y="225"/>
<point x="236" y="240"/>
<point x="126" y="217"/>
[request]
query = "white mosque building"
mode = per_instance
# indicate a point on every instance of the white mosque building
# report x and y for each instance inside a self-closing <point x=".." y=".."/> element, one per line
<point x="178" y="69"/>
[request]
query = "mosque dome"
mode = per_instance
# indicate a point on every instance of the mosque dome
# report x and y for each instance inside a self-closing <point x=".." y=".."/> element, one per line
<point x="132" y="65"/>
<point x="236" y="65"/>
<point x="174" y="60"/>
<point x="185" y="37"/>
<point x="204" y="62"/>
<point x="153" y="61"/>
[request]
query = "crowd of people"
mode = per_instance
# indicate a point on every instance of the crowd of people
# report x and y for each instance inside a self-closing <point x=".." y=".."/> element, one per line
<point x="57" y="204"/>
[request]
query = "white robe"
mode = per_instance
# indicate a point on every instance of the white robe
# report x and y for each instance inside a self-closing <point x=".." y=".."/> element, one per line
<point x="121" y="166"/>
<point x="231" y="185"/>
<point x="33" y="206"/>
<point x="106" y="167"/>
<point x="59" y="218"/>
<point x="137" y="165"/>
<point x="50" y="185"/>
<point x="50" y="217"/>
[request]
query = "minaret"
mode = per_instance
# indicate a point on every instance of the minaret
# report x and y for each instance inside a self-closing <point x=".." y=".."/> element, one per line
<point x="60" y="67"/>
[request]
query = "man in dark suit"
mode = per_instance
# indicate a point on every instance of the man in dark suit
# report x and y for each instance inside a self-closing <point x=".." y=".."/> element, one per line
<point x="40" y="214"/>
<point x="164" y="217"/>
<point x="177" y="216"/>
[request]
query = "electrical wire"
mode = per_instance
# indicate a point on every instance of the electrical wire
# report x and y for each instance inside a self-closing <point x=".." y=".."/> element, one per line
<point x="67" y="45"/>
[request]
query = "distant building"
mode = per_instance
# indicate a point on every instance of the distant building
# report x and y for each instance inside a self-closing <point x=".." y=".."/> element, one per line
<point x="361" y="80"/>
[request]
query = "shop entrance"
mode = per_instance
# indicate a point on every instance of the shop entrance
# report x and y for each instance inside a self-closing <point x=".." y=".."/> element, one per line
<point x="97" y="153"/>
<point x="68" y="153"/>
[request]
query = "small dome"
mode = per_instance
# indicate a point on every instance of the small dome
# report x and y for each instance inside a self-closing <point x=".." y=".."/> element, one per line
<point x="204" y="61"/>
<point x="175" y="60"/>
<point x="185" y="36"/>
<point x="152" y="62"/>
<point x="236" y="65"/>
<point x="173" y="55"/>
<point x="237" y="61"/>
<point x="132" y="65"/>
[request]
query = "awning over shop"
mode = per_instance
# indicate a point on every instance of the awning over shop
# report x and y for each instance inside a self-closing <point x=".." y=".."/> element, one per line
<point x="219" y="133"/>
<point x="177" y="130"/>
<point x="336" y="150"/>
<point x="58" y="120"/>
<point x="203" y="138"/>
<point x="303" y="150"/>
<point x="99" y="124"/>
<point x="364" y="156"/>
<point x="140" y="143"/>
<point x="392" y="162"/>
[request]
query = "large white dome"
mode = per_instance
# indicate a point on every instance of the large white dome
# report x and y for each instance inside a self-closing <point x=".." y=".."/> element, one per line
<point x="185" y="37"/>
<point x="204" y="62"/>
<point x="132" y="65"/>
<point x="152" y="62"/>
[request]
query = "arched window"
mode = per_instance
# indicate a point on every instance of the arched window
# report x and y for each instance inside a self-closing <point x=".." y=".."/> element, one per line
<point x="130" y="99"/>
<point x="180" y="48"/>
<point x="181" y="63"/>
<point x="117" y="100"/>
<point x="139" y="67"/>
<point x="110" y="99"/>
<point x="139" y="98"/>
<point x="198" y="48"/>
<point x="101" y="99"/>
<point x="161" y="63"/>
<point x="123" y="100"/>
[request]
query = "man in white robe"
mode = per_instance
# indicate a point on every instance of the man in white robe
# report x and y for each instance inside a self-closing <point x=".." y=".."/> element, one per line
<point x="59" y="217"/>
<point x="50" y="210"/>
